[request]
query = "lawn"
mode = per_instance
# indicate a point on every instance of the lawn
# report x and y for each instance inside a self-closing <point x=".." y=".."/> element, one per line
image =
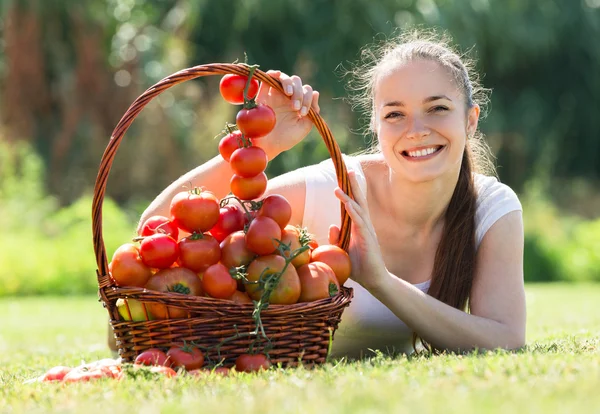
<point x="559" y="372"/>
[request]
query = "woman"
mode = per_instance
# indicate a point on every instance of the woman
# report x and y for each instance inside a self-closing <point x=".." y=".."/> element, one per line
<point x="431" y="239"/>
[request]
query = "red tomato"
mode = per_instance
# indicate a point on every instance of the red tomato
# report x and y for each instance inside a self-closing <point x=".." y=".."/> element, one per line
<point x="288" y="287"/>
<point x="290" y="236"/>
<point x="276" y="207"/>
<point x="153" y="356"/>
<point x="313" y="244"/>
<point x="317" y="281"/>
<point x="262" y="235"/>
<point x="231" y="218"/>
<point x="230" y="143"/>
<point x="248" y="188"/>
<point x="240" y="298"/>
<point x="159" y="251"/>
<point x="167" y="371"/>
<point x="234" y="252"/>
<point x="232" y="88"/>
<point x="198" y="251"/>
<point x="85" y="375"/>
<point x="173" y="280"/>
<point x="256" y="122"/>
<point x="336" y="258"/>
<point x="159" y="224"/>
<point x="252" y="363"/>
<point x="186" y="356"/>
<point x="56" y="373"/>
<point x="195" y="210"/>
<point x="217" y="282"/>
<point x="249" y="161"/>
<point x="127" y="267"/>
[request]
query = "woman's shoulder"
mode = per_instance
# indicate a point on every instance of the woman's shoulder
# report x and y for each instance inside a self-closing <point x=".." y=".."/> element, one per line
<point x="494" y="200"/>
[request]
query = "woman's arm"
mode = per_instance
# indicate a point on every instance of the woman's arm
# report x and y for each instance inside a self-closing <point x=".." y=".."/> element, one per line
<point x="497" y="300"/>
<point x="498" y="314"/>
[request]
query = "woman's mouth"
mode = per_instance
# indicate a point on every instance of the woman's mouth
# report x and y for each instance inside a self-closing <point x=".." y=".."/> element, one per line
<point x="422" y="154"/>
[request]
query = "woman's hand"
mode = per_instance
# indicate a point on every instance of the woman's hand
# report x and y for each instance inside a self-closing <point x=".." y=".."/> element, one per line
<point x="368" y="267"/>
<point x="292" y="125"/>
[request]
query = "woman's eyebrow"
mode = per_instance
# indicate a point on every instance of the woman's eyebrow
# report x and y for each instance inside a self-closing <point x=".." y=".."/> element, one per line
<point x="426" y="100"/>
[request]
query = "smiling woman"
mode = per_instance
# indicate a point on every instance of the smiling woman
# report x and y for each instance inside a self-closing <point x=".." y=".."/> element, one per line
<point x="436" y="246"/>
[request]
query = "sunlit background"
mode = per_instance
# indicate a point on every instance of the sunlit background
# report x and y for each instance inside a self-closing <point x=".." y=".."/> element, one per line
<point x="69" y="70"/>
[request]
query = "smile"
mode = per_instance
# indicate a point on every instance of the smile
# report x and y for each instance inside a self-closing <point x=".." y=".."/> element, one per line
<point x="423" y="153"/>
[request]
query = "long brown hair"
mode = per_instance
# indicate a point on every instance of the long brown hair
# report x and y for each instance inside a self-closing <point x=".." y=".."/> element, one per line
<point x="453" y="270"/>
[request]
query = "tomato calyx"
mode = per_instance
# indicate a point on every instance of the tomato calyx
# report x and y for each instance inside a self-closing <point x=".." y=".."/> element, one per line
<point x="197" y="235"/>
<point x="333" y="290"/>
<point x="179" y="288"/>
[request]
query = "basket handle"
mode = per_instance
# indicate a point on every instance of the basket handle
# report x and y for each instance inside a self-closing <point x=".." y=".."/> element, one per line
<point x="139" y="104"/>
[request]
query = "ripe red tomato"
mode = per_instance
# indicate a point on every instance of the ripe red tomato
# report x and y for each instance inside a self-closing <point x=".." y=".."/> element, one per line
<point x="85" y="375"/>
<point x="256" y="122"/>
<point x="195" y="210"/>
<point x="290" y="236"/>
<point x="217" y="282"/>
<point x="234" y="252"/>
<point x="248" y="188"/>
<point x="159" y="224"/>
<point x="159" y="251"/>
<point x="248" y="161"/>
<point x="230" y="143"/>
<point x="232" y="88"/>
<point x="198" y="251"/>
<point x="56" y="373"/>
<point x="231" y="218"/>
<point x="173" y="280"/>
<point x="336" y="258"/>
<point x="186" y="356"/>
<point x="153" y="356"/>
<point x="262" y="235"/>
<point x="317" y="281"/>
<point x="240" y="298"/>
<point x="288" y="288"/>
<point x="252" y="363"/>
<point x="127" y="267"/>
<point x="276" y="207"/>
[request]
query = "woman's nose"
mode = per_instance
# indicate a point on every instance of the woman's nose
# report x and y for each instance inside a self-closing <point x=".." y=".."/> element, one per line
<point x="416" y="128"/>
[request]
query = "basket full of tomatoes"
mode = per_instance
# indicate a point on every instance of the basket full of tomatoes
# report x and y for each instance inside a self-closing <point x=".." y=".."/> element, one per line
<point x="229" y="278"/>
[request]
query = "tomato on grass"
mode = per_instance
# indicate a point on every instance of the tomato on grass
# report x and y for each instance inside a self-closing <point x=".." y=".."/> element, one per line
<point x="153" y="356"/>
<point x="252" y="363"/>
<point x="185" y="356"/>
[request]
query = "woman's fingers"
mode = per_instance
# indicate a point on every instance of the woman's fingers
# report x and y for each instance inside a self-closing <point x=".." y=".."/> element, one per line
<point x="302" y="97"/>
<point x="334" y="234"/>
<point x="306" y="99"/>
<point x="357" y="192"/>
<point x="315" y="102"/>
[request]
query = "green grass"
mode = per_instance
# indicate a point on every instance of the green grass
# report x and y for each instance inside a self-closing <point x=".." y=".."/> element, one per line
<point x="558" y="372"/>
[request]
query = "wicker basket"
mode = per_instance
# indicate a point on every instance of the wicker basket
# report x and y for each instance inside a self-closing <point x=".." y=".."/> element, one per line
<point x="298" y="333"/>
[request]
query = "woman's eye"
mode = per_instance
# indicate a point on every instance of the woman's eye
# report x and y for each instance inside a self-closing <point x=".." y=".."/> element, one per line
<point x="393" y="115"/>
<point x="439" y="108"/>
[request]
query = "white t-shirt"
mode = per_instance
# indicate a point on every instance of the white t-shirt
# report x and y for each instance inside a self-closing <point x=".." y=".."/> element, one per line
<point x="367" y="323"/>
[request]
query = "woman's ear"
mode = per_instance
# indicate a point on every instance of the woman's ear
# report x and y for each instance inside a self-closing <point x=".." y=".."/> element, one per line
<point x="472" y="120"/>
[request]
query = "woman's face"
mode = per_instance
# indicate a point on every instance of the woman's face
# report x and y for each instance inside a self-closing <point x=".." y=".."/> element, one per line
<point x="421" y="120"/>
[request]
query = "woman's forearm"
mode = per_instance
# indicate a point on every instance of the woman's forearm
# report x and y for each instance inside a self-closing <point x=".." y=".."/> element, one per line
<point x="214" y="175"/>
<point x="442" y="325"/>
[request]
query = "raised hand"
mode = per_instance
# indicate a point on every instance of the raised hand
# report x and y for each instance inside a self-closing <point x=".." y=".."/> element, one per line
<point x="367" y="261"/>
<point x="292" y="124"/>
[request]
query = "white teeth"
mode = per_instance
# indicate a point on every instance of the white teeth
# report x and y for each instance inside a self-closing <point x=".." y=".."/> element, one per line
<point x="422" y="153"/>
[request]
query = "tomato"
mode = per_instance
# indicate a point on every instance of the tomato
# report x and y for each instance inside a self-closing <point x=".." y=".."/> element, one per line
<point x="262" y="235"/>
<point x="336" y="258"/>
<point x="186" y="356"/>
<point x="133" y="310"/>
<point x="82" y="374"/>
<point x="234" y="252"/>
<point x="276" y="207"/>
<point x="159" y="224"/>
<point x="252" y="363"/>
<point x="159" y="251"/>
<point x="232" y="88"/>
<point x="195" y="210"/>
<point x="230" y="143"/>
<point x="231" y="218"/>
<point x="249" y="161"/>
<point x="240" y="298"/>
<point x="225" y="371"/>
<point x="56" y="373"/>
<point x="256" y="122"/>
<point x="174" y="280"/>
<point x="313" y="244"/>
<point x="217" y="282"/>
<point x="248" y="188"/>
<point x="153" y="356"/>
<point x="288" y="287"/>
<point x="127" y="267"/>
<point x="317" y="281"/>
<point x="290" y="236"/>
<point x="198" y="251"/>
